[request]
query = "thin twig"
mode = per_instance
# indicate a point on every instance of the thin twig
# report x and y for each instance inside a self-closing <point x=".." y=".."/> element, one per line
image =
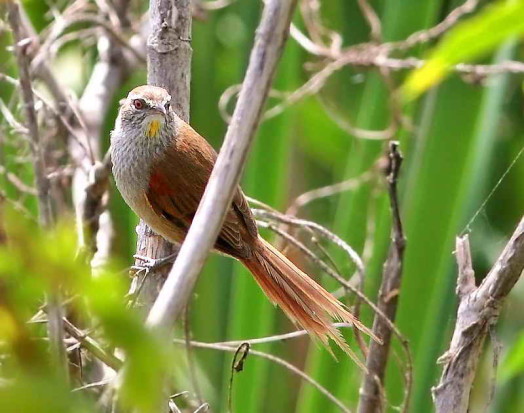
<point x="278" y="361"/>
<point x="451" y="19"/>
<point x="478" y="311"/>
<point x="41" y="182"/>
<point x="277" y="337"/>
<point x="370" y="391"/>
<point x="327" y="191"/>
<point x="347" y="284"/>
<point x="93" y="346"/>
<point x="308" y="253"/>
<point x="317" y="228"/>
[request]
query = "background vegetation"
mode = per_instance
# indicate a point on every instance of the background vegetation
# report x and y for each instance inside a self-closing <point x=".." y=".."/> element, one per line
<point x="458" y="140"/>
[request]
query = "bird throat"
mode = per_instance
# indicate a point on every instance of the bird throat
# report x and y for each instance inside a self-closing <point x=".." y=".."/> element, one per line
<point x="153" y="128"/>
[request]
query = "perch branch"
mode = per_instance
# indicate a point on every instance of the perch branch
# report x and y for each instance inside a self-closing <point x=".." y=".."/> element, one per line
<point x="478" y="311"/>
<point x="169" y="66"/>
<point x="370" y="391"/>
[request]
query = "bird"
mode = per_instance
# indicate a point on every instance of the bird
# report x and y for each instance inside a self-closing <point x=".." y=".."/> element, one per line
<point x="161" y="166"/>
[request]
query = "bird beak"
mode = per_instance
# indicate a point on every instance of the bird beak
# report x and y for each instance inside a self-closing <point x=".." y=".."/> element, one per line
<point x="158" y="110"/>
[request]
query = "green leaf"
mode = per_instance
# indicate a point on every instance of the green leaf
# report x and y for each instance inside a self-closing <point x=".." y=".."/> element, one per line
<point x="469" y="40"/>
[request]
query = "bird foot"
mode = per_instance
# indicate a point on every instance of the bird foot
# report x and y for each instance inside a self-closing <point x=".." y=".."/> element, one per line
<point x="152" y="264"/>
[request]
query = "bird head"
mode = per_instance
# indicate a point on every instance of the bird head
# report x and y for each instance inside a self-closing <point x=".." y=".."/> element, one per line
<point x="146" y="108"/>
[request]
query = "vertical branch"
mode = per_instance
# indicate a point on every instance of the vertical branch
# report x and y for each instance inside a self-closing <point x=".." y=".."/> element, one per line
<point x="169" y="66"/>
<point x="90" y="179"/>
<point x="269" y="43"/>
<point x="37" y="151"/>
<point x="370" y="391"/>
<point x="478" y="310"/>
<point x="55" y="327"/>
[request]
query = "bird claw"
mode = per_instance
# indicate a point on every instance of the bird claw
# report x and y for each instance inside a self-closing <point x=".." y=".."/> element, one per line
<point x="152" y="264"/>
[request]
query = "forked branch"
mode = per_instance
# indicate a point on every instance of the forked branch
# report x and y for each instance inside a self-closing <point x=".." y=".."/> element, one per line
<point x="478" y="310"/>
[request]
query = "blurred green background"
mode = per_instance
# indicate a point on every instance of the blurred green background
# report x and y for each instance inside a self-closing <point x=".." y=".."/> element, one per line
<point x="462" y="136"/>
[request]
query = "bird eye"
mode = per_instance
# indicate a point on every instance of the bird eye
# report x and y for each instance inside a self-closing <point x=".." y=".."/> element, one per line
<point x="167" y="106"/>
<point x="139" y="103"/>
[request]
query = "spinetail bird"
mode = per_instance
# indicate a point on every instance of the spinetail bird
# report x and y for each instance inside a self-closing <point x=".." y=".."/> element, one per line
<point x="161" y="167"/>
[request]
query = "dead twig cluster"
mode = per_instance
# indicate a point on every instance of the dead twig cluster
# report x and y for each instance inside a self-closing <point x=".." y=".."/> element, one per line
<point x="331" y="56"/>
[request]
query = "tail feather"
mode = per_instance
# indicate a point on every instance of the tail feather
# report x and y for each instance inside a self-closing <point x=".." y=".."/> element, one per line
<point x="305" y="302"/>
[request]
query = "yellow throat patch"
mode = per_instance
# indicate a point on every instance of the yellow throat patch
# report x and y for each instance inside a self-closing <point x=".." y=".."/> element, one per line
<point x="153" y="128"/>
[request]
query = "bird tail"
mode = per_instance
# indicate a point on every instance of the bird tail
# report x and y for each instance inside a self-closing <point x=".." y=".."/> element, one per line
<point x="305" y="302"/>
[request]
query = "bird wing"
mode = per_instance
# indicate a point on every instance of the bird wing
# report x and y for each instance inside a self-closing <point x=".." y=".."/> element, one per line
<point x="177" y="183"/>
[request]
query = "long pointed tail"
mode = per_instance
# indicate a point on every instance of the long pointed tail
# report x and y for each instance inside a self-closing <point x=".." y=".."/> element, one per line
<point x="304" y="301"/>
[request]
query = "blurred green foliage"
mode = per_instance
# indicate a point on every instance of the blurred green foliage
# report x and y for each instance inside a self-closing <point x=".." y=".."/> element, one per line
<point x="460" y="138"/>
<point x="469" y="40"/>
<point x="32" y="262"/>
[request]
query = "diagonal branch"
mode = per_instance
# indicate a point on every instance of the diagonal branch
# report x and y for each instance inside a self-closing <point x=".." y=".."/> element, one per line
<point x="478" y="310"/>
<point x="271" y="35"/>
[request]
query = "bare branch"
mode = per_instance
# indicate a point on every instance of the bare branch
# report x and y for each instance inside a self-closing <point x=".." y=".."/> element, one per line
<point x="90" y="179"/>
<point x="370" y="391"/>
<point x="41" y="182"/>
<point x="277" y="337"/>
<point x="55" y="328"/>
<point x="478" y="311"/>
<point x="269" y="43"/>
<point x="169" y="66"/>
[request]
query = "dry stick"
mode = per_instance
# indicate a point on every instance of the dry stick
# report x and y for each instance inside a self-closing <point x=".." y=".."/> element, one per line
<point x="87" y="121"/>
<point x="277" y="337"/>
<point x="48" y="105"/>
<point x="370" y="391"/>
<point x="95" y="348"/>
<point x="269" y="43"/>
<point x="65" y="107"/>
<point x="478" y="310"/>
<point x="169" y="66"/>
<point x="41" y="182"/>
<point x="276" y="360"/>
<point x="55" y="328"/>
<point x="327" y="191"/>
<point x="451" y="19"/>
<point x="90" y="180"/>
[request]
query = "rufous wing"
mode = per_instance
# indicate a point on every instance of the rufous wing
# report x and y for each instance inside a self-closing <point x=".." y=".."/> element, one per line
<point x="176" y="185"/>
